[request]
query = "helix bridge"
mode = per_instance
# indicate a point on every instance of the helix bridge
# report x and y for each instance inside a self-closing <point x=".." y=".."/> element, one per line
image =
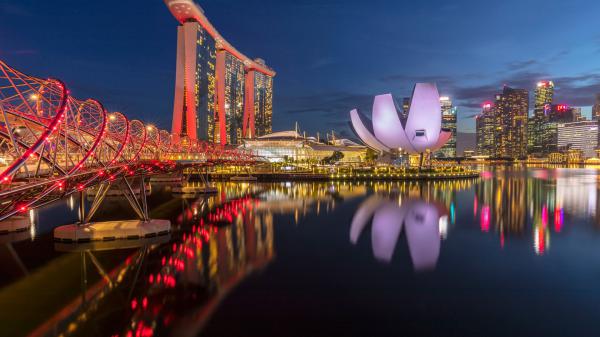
<point x="53" y="145"/>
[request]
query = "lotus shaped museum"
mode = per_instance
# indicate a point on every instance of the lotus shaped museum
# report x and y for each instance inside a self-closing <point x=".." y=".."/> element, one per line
<point x="419" y="131"/>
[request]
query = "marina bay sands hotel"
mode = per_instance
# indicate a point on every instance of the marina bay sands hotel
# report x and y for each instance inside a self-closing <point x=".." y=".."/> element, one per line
<point x="221" y="95"/>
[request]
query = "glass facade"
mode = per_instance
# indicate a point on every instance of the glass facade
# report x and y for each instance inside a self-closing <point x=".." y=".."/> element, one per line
<point x="205" y="84"/>
<point x="582" y="136"/>
<point x="511" y="119"/>
<point x="263" y="104"/>
<point x="449" y="113"/>
<point x="485" y="129"/>
<point x="539" y="132"/>
<point x="234" y="100"/>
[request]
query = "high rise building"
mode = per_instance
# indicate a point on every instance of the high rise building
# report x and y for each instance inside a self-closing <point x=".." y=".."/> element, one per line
<point x="195" y="96"/>
<point x="221" y="95"/>
<point x="449" y="113"/>
<point x="485" y="129"/>
<point x="262" y="102"/>
<point x="511" y="117"/>
<point x="230" y="97"/>
<point x="538" y="136"/>
<point x="581" y="136"/>
<point x="596" y="108"/>
<point x="405" y="107"/>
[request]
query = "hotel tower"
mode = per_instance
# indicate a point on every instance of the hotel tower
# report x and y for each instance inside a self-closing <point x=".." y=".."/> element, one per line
<point x="221" y="95"/>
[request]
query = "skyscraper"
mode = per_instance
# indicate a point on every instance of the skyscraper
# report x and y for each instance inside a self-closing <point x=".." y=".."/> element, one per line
<point x="538" y="136"/>
<point x="221" y="95"/>
<point x="448" y="123"/>
<point x="596" y="108"/>
<point x="511" y="117"/>
<point x="230" y="97"/>
<point x="485" y="129"/>
<point x="195" y="104"/>
<point x="262" y="102"/>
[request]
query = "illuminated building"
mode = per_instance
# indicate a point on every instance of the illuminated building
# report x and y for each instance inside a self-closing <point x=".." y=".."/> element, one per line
<point x="405" y="107"/>
<point x="562" y="113"/>
<point x="221" y="95"/>
<point x="449" y="113"/>
<point x="538" y="135"/>
<point x="291" y="146"/>
<point x="511" y="116"/>
<point x="596" y="108"/>
<point x="485" y="131"/>
<point x="230" y="97"/>
<point x="195" y="104"/>
<point x="582" y="136"/>
<point x="262" y="102"/>
<point x="421" y="133"/>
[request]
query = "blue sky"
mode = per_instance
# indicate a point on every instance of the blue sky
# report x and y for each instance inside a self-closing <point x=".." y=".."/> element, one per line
<point x="331" y="56"/>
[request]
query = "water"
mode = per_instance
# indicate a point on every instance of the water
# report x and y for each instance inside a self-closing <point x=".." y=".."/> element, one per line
<point x="516" y="252"/>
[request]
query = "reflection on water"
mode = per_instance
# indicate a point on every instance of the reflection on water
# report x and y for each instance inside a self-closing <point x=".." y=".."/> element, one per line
<point x="178" y="285"/>
<point x="423" y="223"/>
<point x="508" y="200"/>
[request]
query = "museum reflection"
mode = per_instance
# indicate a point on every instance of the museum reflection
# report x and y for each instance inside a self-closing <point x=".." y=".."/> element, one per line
<point x="172" y="285"/>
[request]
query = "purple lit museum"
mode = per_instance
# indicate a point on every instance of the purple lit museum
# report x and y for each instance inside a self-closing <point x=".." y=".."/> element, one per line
<point x="421" y="131"/>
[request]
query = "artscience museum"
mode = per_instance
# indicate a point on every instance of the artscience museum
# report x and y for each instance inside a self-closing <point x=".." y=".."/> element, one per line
<point x="420" y="131"/>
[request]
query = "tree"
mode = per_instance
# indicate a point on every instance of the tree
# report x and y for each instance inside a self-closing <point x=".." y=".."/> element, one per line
<point x="371" y="155"/>
<point x="335" y="157"/>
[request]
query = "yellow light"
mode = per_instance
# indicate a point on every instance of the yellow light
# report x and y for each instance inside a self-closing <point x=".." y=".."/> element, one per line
<point x="34" y="97"/>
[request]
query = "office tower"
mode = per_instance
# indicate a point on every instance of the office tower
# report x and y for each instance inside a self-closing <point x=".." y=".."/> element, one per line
<point x="562" y="113"/>
<point x="405" y="107"/>
<point x="511" y="117"/>
<point x="485" y="129"/>
<point x="221" y="95"/>
<point x="581" y="136"/>
<point x="538" y="136"/>
<point x="596" y="108"/>
<point x="577" y="116"/>
<point x="449" y="124"/>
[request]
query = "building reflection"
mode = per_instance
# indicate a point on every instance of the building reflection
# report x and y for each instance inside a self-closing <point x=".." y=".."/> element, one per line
<point x="171" y="288"/>
<point x="534" y="203"/>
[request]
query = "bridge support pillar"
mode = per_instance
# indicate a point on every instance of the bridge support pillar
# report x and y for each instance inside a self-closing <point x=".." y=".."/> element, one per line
<point x="88" y="231"/>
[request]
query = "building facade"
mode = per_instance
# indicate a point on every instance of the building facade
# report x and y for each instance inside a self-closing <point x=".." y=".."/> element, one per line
<point x="596" y="108"/>
<point x="485" y="131"/>
<point x="582" y="136"/>
<point x="449" y="113"/>
<point x="290" y="146"/>
<point x="538" y="136"/>
<point x="262" y="103"/>
<point x="511" y="117"/>
<point x="221" y="95"/>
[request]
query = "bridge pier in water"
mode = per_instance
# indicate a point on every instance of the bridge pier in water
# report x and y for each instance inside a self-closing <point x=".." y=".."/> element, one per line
<point x="88" y="231"/>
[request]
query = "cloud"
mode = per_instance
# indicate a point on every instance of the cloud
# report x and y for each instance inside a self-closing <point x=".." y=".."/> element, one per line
<point x="520" y="65"/>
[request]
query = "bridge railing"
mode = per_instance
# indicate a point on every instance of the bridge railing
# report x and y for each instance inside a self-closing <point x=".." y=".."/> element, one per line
<point x="53" y="144"/>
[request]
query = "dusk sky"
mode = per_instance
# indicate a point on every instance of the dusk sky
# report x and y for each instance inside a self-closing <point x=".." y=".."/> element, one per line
<point x="330" y="56"/>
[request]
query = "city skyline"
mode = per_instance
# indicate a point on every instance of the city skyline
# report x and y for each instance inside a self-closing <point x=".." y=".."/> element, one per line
<point x="318" y="78"/>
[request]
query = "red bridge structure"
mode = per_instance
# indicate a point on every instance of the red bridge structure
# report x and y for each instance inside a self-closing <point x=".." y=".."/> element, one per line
<point x="53" y="145"/>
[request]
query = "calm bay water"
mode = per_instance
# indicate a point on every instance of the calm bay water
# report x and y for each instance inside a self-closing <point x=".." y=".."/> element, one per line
<point x="516" y="252"/>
